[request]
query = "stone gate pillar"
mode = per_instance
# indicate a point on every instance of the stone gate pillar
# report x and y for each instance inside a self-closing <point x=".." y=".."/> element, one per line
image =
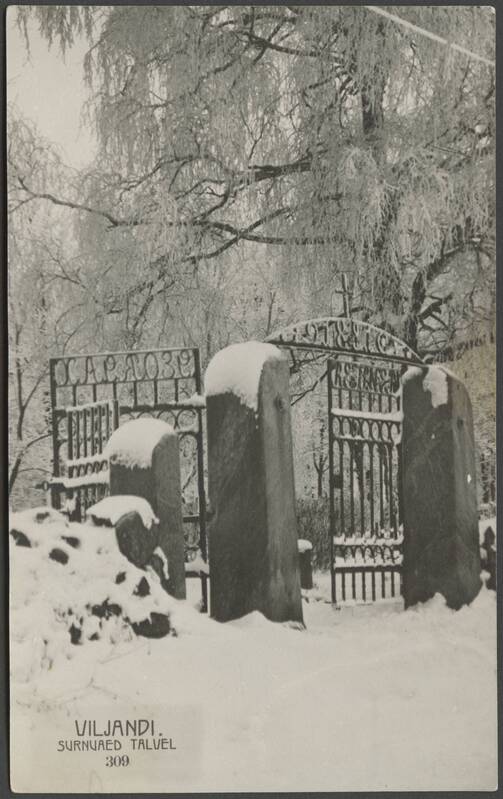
<point x="144" y="460"/>
<point x="253" y="554"/>
<point x="441" y="546"/>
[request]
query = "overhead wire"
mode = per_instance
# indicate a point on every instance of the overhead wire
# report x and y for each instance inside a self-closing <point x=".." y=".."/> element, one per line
<point x="430" y="35"/>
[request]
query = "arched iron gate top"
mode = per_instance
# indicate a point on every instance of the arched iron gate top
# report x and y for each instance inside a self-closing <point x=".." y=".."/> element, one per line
<point x="340" y="335"/>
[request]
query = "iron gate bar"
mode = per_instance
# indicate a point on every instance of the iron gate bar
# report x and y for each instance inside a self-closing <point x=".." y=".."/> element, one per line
<point x="203" y="540"/>
<point x="56" y="465"/>
<point x="331" y="488"/>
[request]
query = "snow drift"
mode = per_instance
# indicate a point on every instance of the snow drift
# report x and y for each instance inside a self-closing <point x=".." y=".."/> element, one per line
<point x="70" y="585"/>
<point x="367" y="698"/>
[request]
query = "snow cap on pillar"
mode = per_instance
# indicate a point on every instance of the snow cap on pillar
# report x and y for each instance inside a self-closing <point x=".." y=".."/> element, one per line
<point x="434" y="380"/>
<point x="237" y="370"/>
<point x="133" y="443"/>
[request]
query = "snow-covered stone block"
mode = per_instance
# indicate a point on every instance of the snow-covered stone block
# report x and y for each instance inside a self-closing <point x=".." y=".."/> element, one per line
<point x="110" y="510"/>
<point x="253" y="553"/>
<point x="136" y="541"/>
<point x="136" y="526"/>
<point x="441" y="547"/>
<point x="145" y="462"/>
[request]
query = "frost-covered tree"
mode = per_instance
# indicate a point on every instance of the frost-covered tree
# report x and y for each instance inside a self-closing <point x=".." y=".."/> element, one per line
<point x="29" y="249"/>
<point x="50" y="306"/>
<point x="312" y="138"/>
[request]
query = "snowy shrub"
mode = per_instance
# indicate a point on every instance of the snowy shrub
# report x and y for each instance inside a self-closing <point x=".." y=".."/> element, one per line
<point x="71" y="585"/>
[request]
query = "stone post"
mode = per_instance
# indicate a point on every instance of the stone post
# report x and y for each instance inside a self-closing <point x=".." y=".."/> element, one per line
<point x="306" y="569"/>
<point x="441" y="546"/>
<point x="253" y="554"/>
<point x="144" y="460"/>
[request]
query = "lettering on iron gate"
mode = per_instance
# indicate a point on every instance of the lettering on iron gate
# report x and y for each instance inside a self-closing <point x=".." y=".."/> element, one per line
<point x="345" y="335"/>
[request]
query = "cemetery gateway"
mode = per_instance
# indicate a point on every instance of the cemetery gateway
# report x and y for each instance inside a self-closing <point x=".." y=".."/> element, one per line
<point x="401" y="463"/>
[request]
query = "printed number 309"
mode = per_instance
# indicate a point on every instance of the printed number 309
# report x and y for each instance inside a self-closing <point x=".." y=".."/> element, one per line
<point x="117" y="760"/>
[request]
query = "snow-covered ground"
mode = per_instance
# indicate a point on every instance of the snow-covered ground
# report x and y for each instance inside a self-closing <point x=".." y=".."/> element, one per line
<point x="365" y="698"/>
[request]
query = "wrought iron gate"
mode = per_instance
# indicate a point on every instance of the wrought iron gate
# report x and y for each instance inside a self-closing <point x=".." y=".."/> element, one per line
<point x="364" y="479"/>
<point x="92" y="394"/>
<point x="364" y="365"/>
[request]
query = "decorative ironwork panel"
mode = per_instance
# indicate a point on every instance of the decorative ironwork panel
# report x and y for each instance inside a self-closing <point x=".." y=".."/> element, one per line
<point x="89" y="428"/>
<point x="364" y="465"/>
<point x="85" y="478"/>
